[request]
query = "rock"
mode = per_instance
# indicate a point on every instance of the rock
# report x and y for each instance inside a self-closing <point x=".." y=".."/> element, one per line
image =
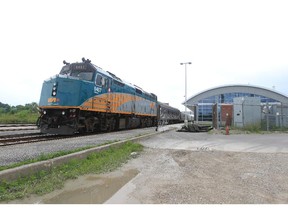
<point x="134" y="154"/>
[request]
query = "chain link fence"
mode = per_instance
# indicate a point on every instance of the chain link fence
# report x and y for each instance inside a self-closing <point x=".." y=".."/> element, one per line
<point x="269" y="116"/>
<point x="274" y="117"/>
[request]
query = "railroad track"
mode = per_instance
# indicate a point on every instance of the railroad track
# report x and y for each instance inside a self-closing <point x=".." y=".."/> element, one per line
<point x="22" y="138"/>
<point x="17" y="127"/>
<point x="16" y="139"/>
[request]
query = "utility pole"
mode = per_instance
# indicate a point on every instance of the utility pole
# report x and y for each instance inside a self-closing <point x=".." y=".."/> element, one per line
<point x="185" y="63"/>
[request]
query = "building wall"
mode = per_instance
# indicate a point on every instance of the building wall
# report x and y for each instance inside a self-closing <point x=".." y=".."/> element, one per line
<point x="247" y="111"/>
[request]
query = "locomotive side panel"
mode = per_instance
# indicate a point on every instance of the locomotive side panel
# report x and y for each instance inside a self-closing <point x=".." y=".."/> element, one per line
<point x="120" y="103"/>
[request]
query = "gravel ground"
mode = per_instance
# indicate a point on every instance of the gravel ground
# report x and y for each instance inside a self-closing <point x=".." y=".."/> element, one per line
<point x="17" y="153"/>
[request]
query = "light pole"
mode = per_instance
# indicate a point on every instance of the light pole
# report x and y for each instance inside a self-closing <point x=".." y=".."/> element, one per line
<point x="185" y="63"/>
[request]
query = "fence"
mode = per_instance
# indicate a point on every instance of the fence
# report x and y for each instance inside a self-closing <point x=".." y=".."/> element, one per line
<point x="269" y="116"/>
<point x="274" y="116"/>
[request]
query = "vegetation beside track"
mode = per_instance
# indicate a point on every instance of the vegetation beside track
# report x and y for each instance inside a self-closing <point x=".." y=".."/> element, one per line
<point x="46" y="181"/>
<point x="27" y="114"/>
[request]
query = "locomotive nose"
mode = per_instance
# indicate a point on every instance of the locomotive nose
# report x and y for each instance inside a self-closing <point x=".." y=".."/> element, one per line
<point x="60" y="92"/>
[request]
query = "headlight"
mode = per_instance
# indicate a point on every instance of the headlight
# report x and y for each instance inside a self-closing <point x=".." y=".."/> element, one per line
<point x="63" y="112"/>
<point x="54" y="89"/>
<point x="44" y="112"/>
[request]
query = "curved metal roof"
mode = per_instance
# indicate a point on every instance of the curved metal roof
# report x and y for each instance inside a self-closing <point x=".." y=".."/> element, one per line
<point x="237" y="88"/>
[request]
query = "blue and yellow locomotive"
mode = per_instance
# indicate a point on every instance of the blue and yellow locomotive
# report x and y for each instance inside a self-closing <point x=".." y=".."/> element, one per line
<point x="85" y="98"/>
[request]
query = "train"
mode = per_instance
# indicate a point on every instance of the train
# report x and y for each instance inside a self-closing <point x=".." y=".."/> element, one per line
<point x="84" y="98"/>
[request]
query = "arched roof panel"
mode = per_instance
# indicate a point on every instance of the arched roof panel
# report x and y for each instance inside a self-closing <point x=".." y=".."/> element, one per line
<point x="237" y="88"/>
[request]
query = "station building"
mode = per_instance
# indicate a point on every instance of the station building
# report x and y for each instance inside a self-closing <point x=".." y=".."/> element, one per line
<point x="240" y="105"/>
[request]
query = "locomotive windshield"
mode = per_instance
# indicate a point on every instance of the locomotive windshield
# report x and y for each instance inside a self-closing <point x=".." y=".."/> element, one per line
<point x="82" y="71"/>
<point x="65" y="70"/>
<point x="82" y="75"/>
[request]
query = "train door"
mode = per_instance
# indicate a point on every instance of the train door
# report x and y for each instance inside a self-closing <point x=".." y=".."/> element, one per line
<point x="100" y="100"/>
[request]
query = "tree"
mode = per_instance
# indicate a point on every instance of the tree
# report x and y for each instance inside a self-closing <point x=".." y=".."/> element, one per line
<point x="5" y="107"/>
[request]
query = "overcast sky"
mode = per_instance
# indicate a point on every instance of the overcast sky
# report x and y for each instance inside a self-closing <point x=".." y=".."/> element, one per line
<point x="144" y="42"/>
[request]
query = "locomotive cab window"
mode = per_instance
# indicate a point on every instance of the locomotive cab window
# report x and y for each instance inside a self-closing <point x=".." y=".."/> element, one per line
<point x="101" y="81"/>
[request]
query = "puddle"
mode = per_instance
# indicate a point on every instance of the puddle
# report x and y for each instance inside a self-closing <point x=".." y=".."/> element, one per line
<point x="91" y="189"/>
<point x="88" y="189"/>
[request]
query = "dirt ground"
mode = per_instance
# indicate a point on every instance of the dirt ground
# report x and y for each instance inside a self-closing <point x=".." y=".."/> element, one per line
<point x="166" y="173"/>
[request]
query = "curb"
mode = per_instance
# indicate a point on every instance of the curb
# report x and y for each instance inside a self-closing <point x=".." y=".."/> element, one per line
<point x="28" y="169"/>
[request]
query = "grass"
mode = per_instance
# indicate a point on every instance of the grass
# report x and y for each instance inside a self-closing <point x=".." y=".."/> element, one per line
<point x="253" y="128"/>
<point x="23" y="117"/>
<point x="46" y="181"/>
